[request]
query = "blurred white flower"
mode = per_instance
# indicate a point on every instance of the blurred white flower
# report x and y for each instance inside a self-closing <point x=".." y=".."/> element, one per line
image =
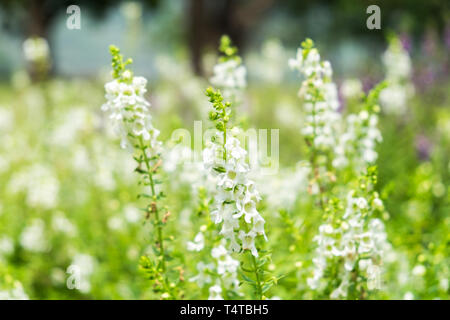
<point x="269" y="64"/>
<point x="73" y="122"/>
<point x="6" y="119"/>
<point x="394" y="98"/>
<point x="132" y="214"/>
<point x="15" y="292"/>
<point x="6" y="246"/>
<point x="36" y="49"/>
<point x="419" y="270"/>
<point x="86" y="264"/>
<point x="40" y="185"/>
<point x="320" y="97"/>
<point x="351" y="88"/>
<point x="60" y="223"/>
<point x="198" y="244"/>
<point x="115" y="223"/>
<point x="202" y="276"/>
<point x="443" y="284"/>
<point x="408" y="296"/>
<point x="132" y="10"/>
<point x="33" y="236"/>
<point x="229" y="76"/>
<point x="215" y="292"/>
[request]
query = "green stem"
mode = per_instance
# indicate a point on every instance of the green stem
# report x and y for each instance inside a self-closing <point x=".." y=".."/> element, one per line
<point x="158" y="221"/>
<point x="224" y="137"/>
<point x="314" y="158"/>
<point x="255" y="268"/>
<point x="258" y="281"/>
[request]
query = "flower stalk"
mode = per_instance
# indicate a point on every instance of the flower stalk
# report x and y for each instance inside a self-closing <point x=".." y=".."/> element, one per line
<point x="129" y="115"/>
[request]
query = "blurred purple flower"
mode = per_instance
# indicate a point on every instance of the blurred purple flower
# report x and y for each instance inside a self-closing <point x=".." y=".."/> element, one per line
<point x="423" y="147"/>
<point x="405" y="39"/>
<point x="368" y="83"/>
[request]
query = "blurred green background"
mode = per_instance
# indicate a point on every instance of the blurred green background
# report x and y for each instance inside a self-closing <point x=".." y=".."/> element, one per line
<point x="68" y="192"/>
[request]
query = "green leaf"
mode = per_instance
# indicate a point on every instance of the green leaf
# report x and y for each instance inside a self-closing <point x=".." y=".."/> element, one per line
<point x="248" y="279"/>
<point x="266" y="287"/>
<point x="220" y="169"/>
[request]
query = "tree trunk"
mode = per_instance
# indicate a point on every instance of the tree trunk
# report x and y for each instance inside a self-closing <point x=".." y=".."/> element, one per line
<point x="38" y="26"/>
<point x="196" y="39"/>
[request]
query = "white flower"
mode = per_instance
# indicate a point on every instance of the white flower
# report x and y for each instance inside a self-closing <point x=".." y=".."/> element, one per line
<point x="198" y="244"/>
<point x="227" y="267"/>
<point x="62" y="224"/>
<point x="361" y="203"/>
<point x="314" y="281"/>
<point x="219" y="252"/>
<point x="236" y="197"/>
<point x="298" y="61"/>
<point x="394" y="98"/>
<point x="355" y="236"/>
<point x="132" y="214"/>
<point x="128" y="111"/>
<point x="309" y="64"/>
<point x="36" y="49"/>
<point x="443" y="284"/>
<point x="85" y="262"/>
<point x="203" y="277"/>
<point x="378" y="204"/>
<point x="73" y="122"/>
<point x="373" y="276"/>
<point x="215" y="293"/>
<point x="39" y="183"/>
<point x="248" y="241"/>
<point x="115" y="223"/>
<point x="15" y="292"/>
<point x="229" y="76"/>
<point x="341" y="291"/>
<point x="6" y="119"/>
<point x="321" y="111"/>
<point x="408" y="296"/>
<point x="397" y="61"/>
<point x="289" y="183"/>
<point x="419" y="270"/>
<point x="33" y="236"/>
<point x="131" y="10"/>
<point x="326" y="228"/>
<point x="351" y="88"/>
<point x="225" y="263"/>
<point x="357" y="145"/>
<point x="86" y="265"/>
<point x="6" y="246"/>
<point x="258" y="226"/>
